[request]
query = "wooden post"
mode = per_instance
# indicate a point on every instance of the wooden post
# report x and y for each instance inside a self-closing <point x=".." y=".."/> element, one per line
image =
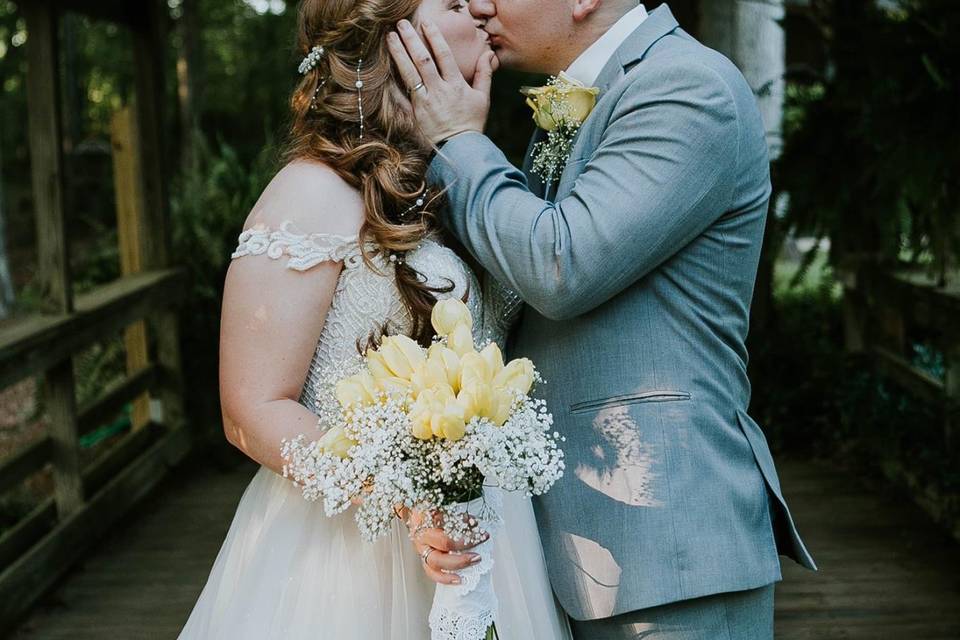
<point x="131" y="230"/>
<point x="148" y="45"/>
<point x="854" y="337"/>
<point x="952" y="390"/>
<point x="46" y="163"/>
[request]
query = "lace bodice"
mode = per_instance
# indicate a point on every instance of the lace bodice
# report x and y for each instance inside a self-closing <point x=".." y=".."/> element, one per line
<point x="367" y="301"/>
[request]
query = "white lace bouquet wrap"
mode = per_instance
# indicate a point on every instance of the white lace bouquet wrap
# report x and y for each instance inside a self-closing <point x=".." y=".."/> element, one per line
<point x="429" y="429"/>
<point x="467" y="610"/>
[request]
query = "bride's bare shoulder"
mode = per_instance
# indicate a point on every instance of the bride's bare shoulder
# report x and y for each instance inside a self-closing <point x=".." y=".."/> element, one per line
<point x="313" y="197"/>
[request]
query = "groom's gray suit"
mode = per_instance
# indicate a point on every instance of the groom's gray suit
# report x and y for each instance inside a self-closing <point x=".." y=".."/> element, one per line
<point x="638" y="277"/>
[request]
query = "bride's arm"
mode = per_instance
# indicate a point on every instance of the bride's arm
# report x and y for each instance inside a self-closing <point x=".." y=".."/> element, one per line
<point x="272" y="315"/>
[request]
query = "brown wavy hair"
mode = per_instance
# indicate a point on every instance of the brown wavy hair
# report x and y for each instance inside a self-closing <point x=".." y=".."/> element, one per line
<point x="388" y="164"/>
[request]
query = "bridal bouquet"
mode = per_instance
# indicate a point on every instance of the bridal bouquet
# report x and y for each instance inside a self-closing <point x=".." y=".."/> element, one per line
<point x="428" y="429"/>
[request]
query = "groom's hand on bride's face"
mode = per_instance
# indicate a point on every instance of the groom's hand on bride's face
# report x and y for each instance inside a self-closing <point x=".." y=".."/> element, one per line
<point x="443" y="103"/>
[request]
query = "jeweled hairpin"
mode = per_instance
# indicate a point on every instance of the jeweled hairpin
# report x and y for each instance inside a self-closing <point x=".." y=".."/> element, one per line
<point x="310" y="62"/>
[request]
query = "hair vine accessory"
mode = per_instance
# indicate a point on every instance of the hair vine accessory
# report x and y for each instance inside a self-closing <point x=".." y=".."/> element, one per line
<point x="421" y="200"/>
<point x="310" y="62"/>
<point x="359" y="85"/>
<point x="316" y="94"/>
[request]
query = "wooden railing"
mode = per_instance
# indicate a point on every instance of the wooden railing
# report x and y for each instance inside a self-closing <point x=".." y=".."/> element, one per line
<point x="881" y="307"/>
<point x="88" y="498"/>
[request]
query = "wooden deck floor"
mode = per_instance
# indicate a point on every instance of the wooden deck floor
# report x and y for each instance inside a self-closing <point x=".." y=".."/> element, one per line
<point x="885" y="572"/>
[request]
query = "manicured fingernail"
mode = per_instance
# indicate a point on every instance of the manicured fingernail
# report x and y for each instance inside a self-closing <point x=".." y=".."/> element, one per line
<point x="404" y="24"/>
<point x="474" y="558"/>
<point x="455" y="581"/>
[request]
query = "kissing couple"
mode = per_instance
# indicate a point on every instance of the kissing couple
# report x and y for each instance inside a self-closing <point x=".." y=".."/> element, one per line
<point x="621" y="258"/>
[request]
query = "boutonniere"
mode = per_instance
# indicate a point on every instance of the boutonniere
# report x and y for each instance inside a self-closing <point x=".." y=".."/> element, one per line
<point x="559" y="108"/>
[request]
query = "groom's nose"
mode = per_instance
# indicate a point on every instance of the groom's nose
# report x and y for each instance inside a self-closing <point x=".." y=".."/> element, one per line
<point x="483" y="9"/>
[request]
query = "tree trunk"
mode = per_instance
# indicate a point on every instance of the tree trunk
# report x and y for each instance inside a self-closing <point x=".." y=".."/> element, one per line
<point x="750" y="33"/>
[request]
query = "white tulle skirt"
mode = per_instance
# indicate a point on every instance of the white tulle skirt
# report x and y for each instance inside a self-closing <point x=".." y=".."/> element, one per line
<point x="286" y="570"/>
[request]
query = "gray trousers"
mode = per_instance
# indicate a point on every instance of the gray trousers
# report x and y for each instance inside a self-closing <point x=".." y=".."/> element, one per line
<point x="741" y="615"/>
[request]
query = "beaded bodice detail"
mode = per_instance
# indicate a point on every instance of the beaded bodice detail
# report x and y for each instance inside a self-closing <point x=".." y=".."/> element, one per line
<point x="367" y="302"/>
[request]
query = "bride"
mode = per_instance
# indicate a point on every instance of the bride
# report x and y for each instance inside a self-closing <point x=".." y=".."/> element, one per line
<point x="339" y="251"/>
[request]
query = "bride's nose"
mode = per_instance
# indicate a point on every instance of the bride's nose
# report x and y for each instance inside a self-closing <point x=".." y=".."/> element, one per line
<point x="483" y="9"/>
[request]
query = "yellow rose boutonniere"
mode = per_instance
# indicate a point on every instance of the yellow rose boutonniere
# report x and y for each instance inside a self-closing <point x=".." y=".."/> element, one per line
<point x="559" y="108"/>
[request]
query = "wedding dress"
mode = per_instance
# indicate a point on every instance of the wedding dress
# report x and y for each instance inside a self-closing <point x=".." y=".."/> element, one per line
<point x="285" y="569"/>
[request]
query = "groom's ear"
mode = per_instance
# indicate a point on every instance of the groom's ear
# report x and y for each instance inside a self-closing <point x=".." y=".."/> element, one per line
<point x="582" y="9"/>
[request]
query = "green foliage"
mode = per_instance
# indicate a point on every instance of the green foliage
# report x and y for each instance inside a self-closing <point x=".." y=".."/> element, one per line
<point x="872" y="150"/>
<point x="249" y="68"/>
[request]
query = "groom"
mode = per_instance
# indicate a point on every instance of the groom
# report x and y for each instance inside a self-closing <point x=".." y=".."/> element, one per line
<point x="637" y="275"/>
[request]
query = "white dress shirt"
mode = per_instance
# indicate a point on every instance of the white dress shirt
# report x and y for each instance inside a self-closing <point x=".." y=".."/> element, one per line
<point x="588" y="65"/>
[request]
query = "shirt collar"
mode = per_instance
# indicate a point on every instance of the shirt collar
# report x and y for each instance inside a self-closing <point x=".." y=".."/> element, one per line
<point x="590" y="63"/>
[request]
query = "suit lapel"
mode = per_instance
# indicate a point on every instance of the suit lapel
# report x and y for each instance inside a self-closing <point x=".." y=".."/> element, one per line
<point x="658" y="24"/>
<point x="533" y="181"/>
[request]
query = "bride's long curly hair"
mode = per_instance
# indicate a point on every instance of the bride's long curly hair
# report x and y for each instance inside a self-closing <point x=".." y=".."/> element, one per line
<point x="388" y="164"/>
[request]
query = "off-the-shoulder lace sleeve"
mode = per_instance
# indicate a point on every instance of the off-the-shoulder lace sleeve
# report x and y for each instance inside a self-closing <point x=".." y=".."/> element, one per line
<point x="303" y="251"/>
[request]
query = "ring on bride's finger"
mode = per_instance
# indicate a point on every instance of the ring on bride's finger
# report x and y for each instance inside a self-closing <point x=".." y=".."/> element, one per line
<point x="417" y="88"/>
<point x="426" y="554"/>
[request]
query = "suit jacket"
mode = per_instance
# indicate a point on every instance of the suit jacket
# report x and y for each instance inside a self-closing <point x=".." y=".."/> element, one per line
<point x="638" y="277"/>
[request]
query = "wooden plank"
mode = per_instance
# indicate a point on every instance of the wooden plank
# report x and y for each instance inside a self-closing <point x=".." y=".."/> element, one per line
<point x="143" y="580"/>
<point x="22" y="464"/>
<point x="23" y="582"/>
<point x="46" y="156"/>
<point x="115" y="397"/>
<point x="43" y="517"/>
<point x="120" y="455"/>
<point x="64" y="438"/>
<point x="35" y="343"/>
<point x="15" y="541"/>
<point x="913" y="380"/>
<point x="952" y="389"/>
<point x="131" y="231"/>
<point x="149" y="49"/>
<point x="922" y="297"/>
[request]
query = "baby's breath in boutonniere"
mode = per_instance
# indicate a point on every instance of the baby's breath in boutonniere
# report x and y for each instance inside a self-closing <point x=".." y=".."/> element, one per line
<point x="560" y="108"/>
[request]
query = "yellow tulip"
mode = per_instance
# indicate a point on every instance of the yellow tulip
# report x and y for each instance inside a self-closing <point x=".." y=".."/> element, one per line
<point x="475" y="399"/>
<point x="429" y="373"/>
<point x="449" y="360"/>
<point x="461" y="340"/>
<point x="401" y="355"/>
<point x="449" y="421"/>
<point x="359" y="388"/>
<point x="448" y="314"/>
<point x="474" y="371"/>
<point x="501" y="405"/>
<point x="420" y="416"/>
<point x="518" y="375"/>
<point x="377" y="365"/>
<point x="392" y="385"/>
<point x="493" y="357"/>
<point x="336" y="442"/>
